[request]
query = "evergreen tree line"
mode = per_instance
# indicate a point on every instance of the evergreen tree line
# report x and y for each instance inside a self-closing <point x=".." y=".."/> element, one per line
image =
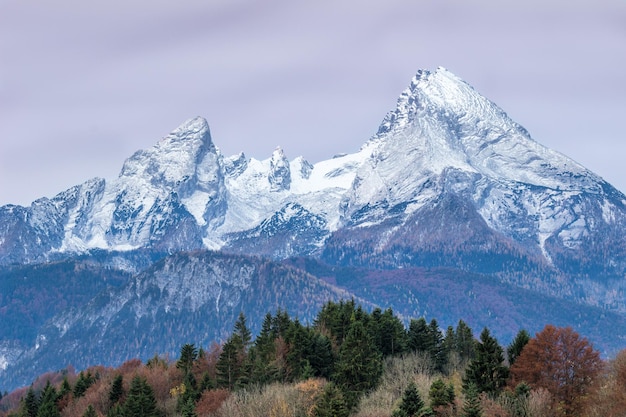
<point x="345" y="346"/>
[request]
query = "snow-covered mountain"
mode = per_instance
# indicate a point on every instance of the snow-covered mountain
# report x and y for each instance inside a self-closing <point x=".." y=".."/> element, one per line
<point x="450" y="196"/>
<point x="448" y="172"/>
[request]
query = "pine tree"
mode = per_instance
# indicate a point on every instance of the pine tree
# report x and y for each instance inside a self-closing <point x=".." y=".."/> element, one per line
<point x="439" y="357"/>
<point x="487" y="371"/>
<point x="65" y="387"/>
<point x="117" y="389"/>
<point x="331" y="403"/>
<point x="465" y="343"/>
<point x="412" y="404"/>
<point x="262" y="353"/>
<point x="419" y="336"/>
<point x="471" y="405"/>
<point x="337" y="319"/>
<point x="116" y="411"/>
<point x="48" y="406"/>
<point x="241" y="330"/>
<point x="440" y="394"/>
<point x="321" y="356"/>
<point x="359" y="366"/>
<point x="188" y="409"/>
<point x="90" y="411"/>
<point x="29" y="404"/>
<point x="228" y="366"/>
<point x="140" y="401"/>
<point x="299" y="342"/>
<point x="84" y="381"/>
<point x="448" y="345"/>
<point x="515" y="348"/>
<point x="188" y="355"/>
<point x="388" y="332"/>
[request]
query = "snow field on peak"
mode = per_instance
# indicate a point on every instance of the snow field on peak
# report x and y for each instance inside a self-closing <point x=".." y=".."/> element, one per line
<point x="319" y="190"/>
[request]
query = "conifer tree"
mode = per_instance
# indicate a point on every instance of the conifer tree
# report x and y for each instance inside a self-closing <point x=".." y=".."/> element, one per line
<point x="188" y="409"/>
<point x="448" y="345"/>
<point x="29" y="404"/>
<point x="117" y="390"/>
<point x="262" y="353"/>
<point x="465" y="342"/>
<point x="48" y="406"/>
<point x="188" y="355"/>
<point x="412" y="404"/>
<point x="439" y="357"/>
<point x="116" y="411"/>
<point x="321" y="356"/>
<point x="487" y="371"/>
<point x="280" y="324"/>
<point x="298" y="341"/>
<point x="331" y="403"/>
<point x="140" y="401"/>
<point x="418" y="334"/>
<point x="471" y="405"/>
<point x="388" y="332"/>
<point x="515" y="348"/>
<point x="229" y="364"/>
<point x="441" y="394"/>
<point x="242" y="331"/>
<point x="65" y="387"/>
<point x="337" y="318"/>
<point x="359" y="366"/>
<point x="90" y="412"/>
<point x="84" y="381"/>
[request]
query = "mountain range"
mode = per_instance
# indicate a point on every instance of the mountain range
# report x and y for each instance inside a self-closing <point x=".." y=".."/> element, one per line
<point x="449" y="195"/>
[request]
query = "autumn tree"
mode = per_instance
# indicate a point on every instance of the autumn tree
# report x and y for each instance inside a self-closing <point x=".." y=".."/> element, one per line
<point x="563" y="363"/>
<point x="609" y="397"/>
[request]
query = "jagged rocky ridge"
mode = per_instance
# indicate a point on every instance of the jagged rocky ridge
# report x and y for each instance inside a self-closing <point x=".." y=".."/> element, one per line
<point x="448" y="181"/>
<point x="447" y="171"/>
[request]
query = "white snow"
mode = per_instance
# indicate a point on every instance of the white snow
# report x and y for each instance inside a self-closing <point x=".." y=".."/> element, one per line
<point x="442" y="136"/>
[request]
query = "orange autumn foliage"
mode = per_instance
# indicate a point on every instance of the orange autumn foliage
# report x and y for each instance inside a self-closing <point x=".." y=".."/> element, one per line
<point x="561" y="362"/>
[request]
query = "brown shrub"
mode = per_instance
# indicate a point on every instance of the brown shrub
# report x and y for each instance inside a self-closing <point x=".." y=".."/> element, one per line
<point x="211" y="401"/>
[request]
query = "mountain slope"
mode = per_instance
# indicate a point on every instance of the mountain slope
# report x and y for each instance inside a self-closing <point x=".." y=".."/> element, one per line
<point x="183" y="298"/>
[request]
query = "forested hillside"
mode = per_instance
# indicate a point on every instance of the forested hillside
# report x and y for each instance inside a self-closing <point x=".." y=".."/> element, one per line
<point x="348" y="362"/>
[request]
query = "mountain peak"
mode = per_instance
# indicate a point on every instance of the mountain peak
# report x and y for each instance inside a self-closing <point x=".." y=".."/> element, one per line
<point x="176" y="155"/>
<point x="280" y="171"/>
<point x="445" y="123"/>
<point x="434" y="94"/>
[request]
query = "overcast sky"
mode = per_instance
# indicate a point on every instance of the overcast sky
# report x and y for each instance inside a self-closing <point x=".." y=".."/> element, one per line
<point x="84" y="84"/>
